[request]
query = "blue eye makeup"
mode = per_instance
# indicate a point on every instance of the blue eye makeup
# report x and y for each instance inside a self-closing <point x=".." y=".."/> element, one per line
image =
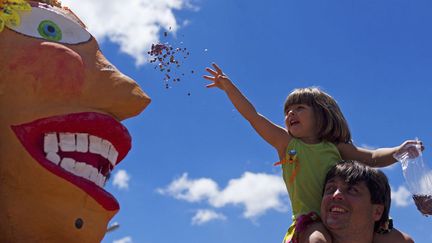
<point x="50" y="30"/>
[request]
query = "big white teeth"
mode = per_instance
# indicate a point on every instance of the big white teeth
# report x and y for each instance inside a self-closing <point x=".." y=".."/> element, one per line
<point x="100" y="181"/>
<point x="112" y="155"/>
<point x="80" y="142"/>
<point x="83" y="170"/>
<point x="336" y="209"/>
<point x="95" y="144"/>
<point x="94" y="174"/>
<point x="67" y="142"/>
<point x="50" y="143"/>
<point x="53" y="157"/>
<point x="105" y="147"/>
<point x="68" y="164"/>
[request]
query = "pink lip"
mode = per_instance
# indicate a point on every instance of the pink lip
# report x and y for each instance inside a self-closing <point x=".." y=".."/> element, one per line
<point x="293" y="122"/>
<point x="31" y="135"/>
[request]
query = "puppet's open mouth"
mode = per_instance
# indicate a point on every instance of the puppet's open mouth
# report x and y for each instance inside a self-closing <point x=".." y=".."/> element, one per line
<point x="82" y="148"/>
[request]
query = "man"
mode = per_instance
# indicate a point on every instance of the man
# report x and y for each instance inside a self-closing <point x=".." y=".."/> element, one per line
<point x="356" y="203"/>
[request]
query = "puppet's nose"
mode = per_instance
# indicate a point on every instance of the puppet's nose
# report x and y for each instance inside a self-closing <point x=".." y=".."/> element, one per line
<point x="114" y="92"/>
<point x="128" y="99"/>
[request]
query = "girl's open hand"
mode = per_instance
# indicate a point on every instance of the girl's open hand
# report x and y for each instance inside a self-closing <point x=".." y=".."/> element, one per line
<point x="217" y="77"/>
<point x="410" y="147"/>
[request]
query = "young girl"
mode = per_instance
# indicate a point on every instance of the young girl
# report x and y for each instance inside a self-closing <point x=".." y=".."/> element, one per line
<point x="316" y="137"/>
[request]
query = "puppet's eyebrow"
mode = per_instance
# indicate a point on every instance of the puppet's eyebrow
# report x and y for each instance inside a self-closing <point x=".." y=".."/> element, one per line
<point x="65" y="11"/>
<point x="71" y="14"/>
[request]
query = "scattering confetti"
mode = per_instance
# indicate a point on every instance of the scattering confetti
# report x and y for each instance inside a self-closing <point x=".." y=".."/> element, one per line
<point x="168" y="60"/>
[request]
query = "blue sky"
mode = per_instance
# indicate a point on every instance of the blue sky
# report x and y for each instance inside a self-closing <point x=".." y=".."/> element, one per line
<point x="197" y="171"/>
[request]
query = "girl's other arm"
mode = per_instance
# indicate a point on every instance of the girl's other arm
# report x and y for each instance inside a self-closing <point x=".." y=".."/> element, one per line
<point x="380" y="157"/>
<point x="275" y="135"/>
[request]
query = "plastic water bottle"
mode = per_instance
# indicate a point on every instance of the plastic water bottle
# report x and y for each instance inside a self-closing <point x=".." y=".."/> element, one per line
<point x="417" y="176"/>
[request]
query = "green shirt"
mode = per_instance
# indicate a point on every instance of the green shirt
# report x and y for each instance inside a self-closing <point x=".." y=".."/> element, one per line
<point x="304" y="173"/>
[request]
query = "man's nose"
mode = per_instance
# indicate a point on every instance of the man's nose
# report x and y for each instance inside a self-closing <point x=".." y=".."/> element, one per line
<point x="338" y="194"/>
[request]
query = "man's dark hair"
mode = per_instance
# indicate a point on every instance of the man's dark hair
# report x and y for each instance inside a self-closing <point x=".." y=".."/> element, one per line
<point x="354" y="172"/>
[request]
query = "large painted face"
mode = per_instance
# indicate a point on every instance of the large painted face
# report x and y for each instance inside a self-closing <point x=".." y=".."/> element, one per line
<point x="61" y="103"/>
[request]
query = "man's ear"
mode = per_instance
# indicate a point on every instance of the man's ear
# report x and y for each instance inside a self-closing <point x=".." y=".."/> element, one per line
<point x="378" y="210"/>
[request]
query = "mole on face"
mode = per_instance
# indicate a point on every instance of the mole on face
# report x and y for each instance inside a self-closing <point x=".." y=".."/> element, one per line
<point x="79" y="223"/>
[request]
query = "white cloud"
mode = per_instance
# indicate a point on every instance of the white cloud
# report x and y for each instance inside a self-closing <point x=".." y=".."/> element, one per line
<point x="126" y="239"/>
<point x="191" y="190"/>
<point x="367" y="146"/>
<point x="121" y="179"/>
<point x="256" y="192"/>
<point x="203" y="216"/>
<point x="401" y="197"/>
<point x="133" y="25"/>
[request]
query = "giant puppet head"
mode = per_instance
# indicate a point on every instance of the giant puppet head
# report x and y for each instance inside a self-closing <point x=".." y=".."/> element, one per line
<point x="61" y="104"/>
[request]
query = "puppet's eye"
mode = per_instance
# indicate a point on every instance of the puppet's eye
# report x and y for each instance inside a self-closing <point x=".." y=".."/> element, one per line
<point x="49" y="24"/>
<point x="50" y="31"/>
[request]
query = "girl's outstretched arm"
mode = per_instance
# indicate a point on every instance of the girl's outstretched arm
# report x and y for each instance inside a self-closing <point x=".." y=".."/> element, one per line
<point x="275" y="135"/>
<point x="380" y="157"/>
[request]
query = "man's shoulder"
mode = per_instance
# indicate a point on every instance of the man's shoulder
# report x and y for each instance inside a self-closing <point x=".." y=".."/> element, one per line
<point x="394" y="236"/>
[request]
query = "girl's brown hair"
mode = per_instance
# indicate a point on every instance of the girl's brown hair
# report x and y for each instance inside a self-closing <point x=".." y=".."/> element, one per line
<point x="330" y="121"/>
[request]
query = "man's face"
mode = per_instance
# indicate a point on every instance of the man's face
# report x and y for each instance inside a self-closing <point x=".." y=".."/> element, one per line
<point x="348" y="208"/>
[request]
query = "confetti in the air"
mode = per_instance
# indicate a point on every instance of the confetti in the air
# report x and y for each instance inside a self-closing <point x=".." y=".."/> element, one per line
<point x="169" y="59"/>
